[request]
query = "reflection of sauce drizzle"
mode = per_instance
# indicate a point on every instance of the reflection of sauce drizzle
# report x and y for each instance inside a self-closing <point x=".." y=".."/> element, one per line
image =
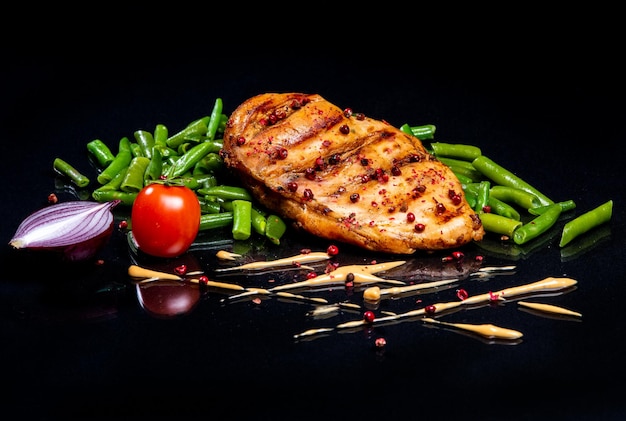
<point x="549" y="308"/>
<point x="287" y="261"/>
<point x="364" y="274"/>
<point x="486" y="330"/>
<point x="490" y="331"/>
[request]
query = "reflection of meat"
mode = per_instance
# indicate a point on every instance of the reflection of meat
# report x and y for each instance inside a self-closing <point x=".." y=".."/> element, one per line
<point x="434" y="269"/>
<point x="347" y="177"/>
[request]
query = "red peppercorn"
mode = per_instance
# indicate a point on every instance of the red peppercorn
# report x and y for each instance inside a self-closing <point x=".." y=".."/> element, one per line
<point x="347" y="112"/>
<point x="292" y="186"/>
<point x="462" y="294"/>
<point x="380" y="342"/>
<point x="52" y="198"/>
<point x="420" y="227"/>
<point x="344" y="129"/>
<point x="458" y="255"/>
<point x="204" y="280"/>
<point x="369" y="316"/>
<point x="440" y="208"/>
<point x="123" y="224"/>
<point x="431" y="309"/>
<point x="311" y="275"/>
<point x="354" y="197"/>
<point x="332" y="250"/>
<point x="181" y="270"/>
<point x="309" y="174"/>
<point x="308" y="194"/>
<point x="241" y="141"/>
<point x="410" y="217"/>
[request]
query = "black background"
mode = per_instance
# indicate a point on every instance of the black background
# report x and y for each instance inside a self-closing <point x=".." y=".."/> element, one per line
<point x="553" y="115"/>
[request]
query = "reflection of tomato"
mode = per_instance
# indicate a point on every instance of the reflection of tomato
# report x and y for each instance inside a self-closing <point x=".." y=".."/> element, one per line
<point x="166" y="299"/>
<point x="165" y="219"/>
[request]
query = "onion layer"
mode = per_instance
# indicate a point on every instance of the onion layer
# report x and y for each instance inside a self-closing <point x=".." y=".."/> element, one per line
<point x="77" y="228"/>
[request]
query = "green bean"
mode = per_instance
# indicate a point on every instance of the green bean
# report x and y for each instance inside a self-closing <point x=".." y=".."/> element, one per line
<point x="155" y="166"/>
<point x="108" y="195"/>
<point x="134" y="177"/>
<point x="160" y="135"/>
<point x="497" y="206"/>
<point x="242" y="219"/>
<point x="214" y="121"/>
<point x="145" y="140"/>
<point x="424" y="132"/>
<point x="227" y="205"/>
<point x="537" y="226"/>
<point x="259" y="222"/>
<point x="463" y="178"/>
<point x="275" y="228"/>
<point x="165" y="151"/>
<point x="462" y="167"/>
<point x="204" y="180"/>
<point x="503" y="209"/>
<point x="566" y="205"/>
<point x="499" y="224"/>
<point x="504" y="177"/>
<point x="188" y="160"/>
<point x="227" y="192"/>
<point x="516" y="196"/>
<point x="198" y="127"/>
<point x="115" y="183"/>
<point x="121" y="161"/>
<point x="124" y="145"/>
<point x="101" y="152"/>
<point x="456" y="151"/>
<point x="211" y="163"/>
<point x="135" y="149"/>
<point x="585" y="222"/>
<point x="209" y="206"/>
<point x="482" y="197"/>
<point x="67" y="170"/>
<point x="215" y="220"/>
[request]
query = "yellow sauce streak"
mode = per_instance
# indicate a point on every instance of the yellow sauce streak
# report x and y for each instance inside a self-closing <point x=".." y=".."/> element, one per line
<point x="312" y="332"/>
<point x="362" y="274"/>
<point x="375" y="293"/>
<point x="138" y="272"/>
<point x="222" y="285"/>
<point x="226" y="255"/>
<point x="549" y="308"/>
<point x="486" y="330"/>
<point x="301" y="297"/>
<point x="547" y="284"/>
<point x="287" y="261"/>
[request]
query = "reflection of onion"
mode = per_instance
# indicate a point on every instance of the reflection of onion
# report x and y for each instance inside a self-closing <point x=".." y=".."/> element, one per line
<point x="166" y="299"/>
<point x="78" y="229"/>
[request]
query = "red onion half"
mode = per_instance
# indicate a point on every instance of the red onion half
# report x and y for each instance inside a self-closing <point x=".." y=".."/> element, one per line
<point x="78" y="228"/>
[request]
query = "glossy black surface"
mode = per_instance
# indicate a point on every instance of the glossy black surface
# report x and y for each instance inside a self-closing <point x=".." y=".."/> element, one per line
<point x="76" y="341"/>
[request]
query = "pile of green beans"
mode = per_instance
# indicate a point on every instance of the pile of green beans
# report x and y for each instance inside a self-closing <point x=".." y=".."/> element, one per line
<point x="498" y="196"/>
<point x="189" y="157"/>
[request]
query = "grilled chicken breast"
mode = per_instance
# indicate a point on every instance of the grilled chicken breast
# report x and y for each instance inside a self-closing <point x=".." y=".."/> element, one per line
<point x="346" y="177"/>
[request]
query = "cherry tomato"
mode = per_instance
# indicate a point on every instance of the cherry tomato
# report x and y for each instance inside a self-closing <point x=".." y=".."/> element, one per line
<point x="165" y="219"/>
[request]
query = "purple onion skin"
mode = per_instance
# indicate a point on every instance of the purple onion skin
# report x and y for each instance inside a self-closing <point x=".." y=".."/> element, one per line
<point x="79" y="251"/>
<point x="87" y="249"/>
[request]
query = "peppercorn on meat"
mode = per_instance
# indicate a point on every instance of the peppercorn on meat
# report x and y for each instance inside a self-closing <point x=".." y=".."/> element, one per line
<point x="346" y="177"/>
